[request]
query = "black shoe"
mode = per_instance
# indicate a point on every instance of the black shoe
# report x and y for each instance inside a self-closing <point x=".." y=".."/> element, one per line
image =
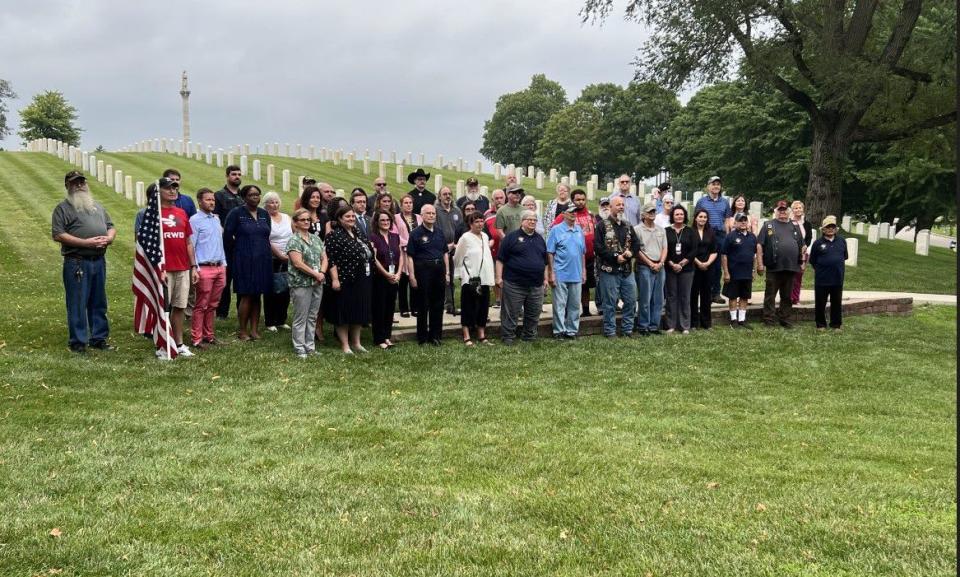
<point x="507" y="342"/>
<point x="103" y="346"/>
<point x="744" y="325"/>
<point x="405" y="315"/>
<point x="79" y="349"/>
<point x="734" y="325"/>
<point x="570" y="337"/>
<point x="558" y="336"/>
<point x="435" y="342"/>
<point x="786" y="325"/>
<point x="626" y="335"/>
<point x="718" y="300"/>
<point x="654" y="333"/>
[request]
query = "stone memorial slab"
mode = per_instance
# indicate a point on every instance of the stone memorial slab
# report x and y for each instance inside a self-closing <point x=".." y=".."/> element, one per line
<point x="256" y="169"/>
<point x="591" y="190"/>
<point x="108" y="174"/>
<point x="497" y="170"/>
<point x="128" y="187"/>
<point x="609" y="188"/>
<point x="873" y="234"/>
<point x="859" y="228"/>
<point x="350" y="161"/>
<point x="208" y="155"/>
<point x="884" y="230"/>
<point x="892" y="232"/>
<point x="853" y="251"/>
<point x="243" y="165"/>
<point x="118" y="181"/>
<point x="271" y="175"/>
<point x="565" y="180"/>
<point x="100" y="171"/>
<point x="311" y="152"/>
<point x="382" y="169"/>
<point x="846" y="222"/>
<point x="539" y="180"/>
<point x="437" y="183"/>
<point x="220" y="157"/>
<point x="400" y="177"/>
<point x="923" y="243"/>
<point x="461" y="188"/>
<point x="140" y="193"/>
<point x="479" y="168"/>
<point x="553" y="175"/>
<point x="286" y="180"/>
<point x="366" y="166"/>
<point x="573" y="178"/>
<point x="421" y="159"/>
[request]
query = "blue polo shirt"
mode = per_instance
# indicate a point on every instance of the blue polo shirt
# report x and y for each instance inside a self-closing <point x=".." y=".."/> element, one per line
<point x="740" y="249"/>
<point x="524" y="258"/>
<point x="718" y="210"/>
<point x="425" y="244"/>
<point x="207" y="237"/>
<point x="827" y="259"/>
<point x="567" y="245"/>
<point x="185" y="203"/>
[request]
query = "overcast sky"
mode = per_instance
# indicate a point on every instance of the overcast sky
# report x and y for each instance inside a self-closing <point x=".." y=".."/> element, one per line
<point x="407" y="76"/>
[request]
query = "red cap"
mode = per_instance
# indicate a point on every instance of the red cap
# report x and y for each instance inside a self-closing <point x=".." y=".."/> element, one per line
<point x="781" y="204"/>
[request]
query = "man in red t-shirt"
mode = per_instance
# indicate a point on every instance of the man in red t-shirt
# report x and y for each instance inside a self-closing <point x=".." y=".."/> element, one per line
<point x="180" y="264"/>
<point x="586" y="222"/>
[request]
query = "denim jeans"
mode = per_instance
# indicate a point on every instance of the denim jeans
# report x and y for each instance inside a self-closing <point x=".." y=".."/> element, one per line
<point x="85" y="283"/>
<point x="716" y="269"/>
<point x="566" y="308"/>
<point x="616" y="286"/>
<point x="650" y="298"/>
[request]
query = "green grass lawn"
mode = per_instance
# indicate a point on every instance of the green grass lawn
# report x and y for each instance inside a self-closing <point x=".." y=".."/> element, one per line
<point x="724" y="453"/>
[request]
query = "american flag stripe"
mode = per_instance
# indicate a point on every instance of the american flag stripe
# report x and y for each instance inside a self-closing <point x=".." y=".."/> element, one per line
<point x="149" y="304"/>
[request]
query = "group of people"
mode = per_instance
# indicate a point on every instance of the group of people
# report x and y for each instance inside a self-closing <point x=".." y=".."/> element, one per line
<point x="351" y="262"/>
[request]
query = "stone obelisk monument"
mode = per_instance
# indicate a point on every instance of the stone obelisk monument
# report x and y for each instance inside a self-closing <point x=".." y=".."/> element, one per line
<point x="185" y="95"/>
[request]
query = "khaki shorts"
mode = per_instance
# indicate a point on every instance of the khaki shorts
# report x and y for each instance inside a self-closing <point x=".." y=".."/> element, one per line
<point x="178" y="287"/>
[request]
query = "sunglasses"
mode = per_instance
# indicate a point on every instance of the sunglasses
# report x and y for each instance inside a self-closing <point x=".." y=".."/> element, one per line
<point x="305" y="219"/>
<point x="380" y="184"/>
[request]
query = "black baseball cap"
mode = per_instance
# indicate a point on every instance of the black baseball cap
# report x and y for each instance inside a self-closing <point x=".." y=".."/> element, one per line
<point x="72" y="176"/>
<point x="168" y="183"/>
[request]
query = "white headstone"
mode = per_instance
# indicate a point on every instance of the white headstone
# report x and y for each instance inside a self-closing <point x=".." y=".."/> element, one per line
<point x="393" y="157"/>
<point x="421" y="159"/>
<point x="565" y="180"/>
<point x="633" y="189"/>
<point x="873" y="234"/>
<point x="678" y="196"/>
<point x="892" y="232"/>
<point x="439" y="162"/>
<point x="246" y="149"/>
<point x="591" y="190"/>
<point x="382" y="169"/>
<point x="286" y="149"/>
<point x="859" y="228"/>
<point x="884" y="230"/>
<point x="479" y="167"/>
<point x="553" y="175"/>
<point x="208" y="155"/>
<point x="853" y="251"/>
<point x="438" y="182"/>
<point x="220" y="157"/>
<point x="483" y="191"/>
<point x="141" y="195"/>
<point x="118" y="181"/>
<point x="497" y="170"/>
<point x="299" y="151"/>
<point x="271" y="175"/>
<point x="366" y="166"/>
<point x="85" y="162"/>
<point x="128" y="187"/>
<point x="230" y="161"/>
<point x="286" y="180"/>
<point x="399" y="174"/>
<point x="539" y="180"/>
<point x="100" y="171"/>
<point x="845" y="223"/>
<point x="409" y="160"/>
<point x="511" y="170"/>
<point x="697" y="196"/>
<point x="461" y="188"/>
<point x="256" y="169"/>
<point x="531" y="171"/>
<point x="311" y="152"/>
<point x="923" y="243"/>
<point x="609" y="187"/>
<point x="573" y="178"/>
<point x="243" y="165"/>
<point x="108" y="174"/>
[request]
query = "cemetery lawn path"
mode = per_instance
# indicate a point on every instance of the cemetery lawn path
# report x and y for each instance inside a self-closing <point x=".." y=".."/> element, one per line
<point x="754" y="453"/>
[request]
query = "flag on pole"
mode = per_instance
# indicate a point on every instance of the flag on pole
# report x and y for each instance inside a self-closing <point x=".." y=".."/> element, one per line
<point x="150" y="315"/>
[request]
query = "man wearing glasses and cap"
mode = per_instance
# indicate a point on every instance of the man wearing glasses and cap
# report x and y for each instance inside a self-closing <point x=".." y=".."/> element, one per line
<point x="780" y="252"/>
<point x="84" y="230"/>
<point x="480" y="202"/>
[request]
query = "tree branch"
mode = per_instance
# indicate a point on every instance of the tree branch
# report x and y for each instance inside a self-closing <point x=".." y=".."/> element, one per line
<point x="860" y="24"/>
<point x="864" y="134"/>
<point x="914" y="75"/>
<point x="902" y="30"/>
<point x="796" y="40"/>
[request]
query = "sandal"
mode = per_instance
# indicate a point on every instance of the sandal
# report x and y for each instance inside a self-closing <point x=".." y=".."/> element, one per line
<point x="468" y="342"/>
<point x="485" y="341"/>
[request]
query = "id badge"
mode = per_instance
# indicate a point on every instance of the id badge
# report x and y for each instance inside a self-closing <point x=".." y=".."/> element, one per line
<point x="679" y="248"/>
<point x="367" y="269"/>
<point x="390" y="269"/>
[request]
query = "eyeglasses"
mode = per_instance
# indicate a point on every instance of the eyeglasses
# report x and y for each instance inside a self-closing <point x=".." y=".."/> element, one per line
<point x="379" y="184"/>
<point x="304" y="219"/>
<point x="624" y="182"/>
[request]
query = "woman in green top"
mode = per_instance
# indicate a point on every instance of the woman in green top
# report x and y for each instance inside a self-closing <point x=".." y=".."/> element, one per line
<point x="306" y="275"/>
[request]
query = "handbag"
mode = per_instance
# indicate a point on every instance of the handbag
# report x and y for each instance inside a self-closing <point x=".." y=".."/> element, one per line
<point x="474" y="281"/>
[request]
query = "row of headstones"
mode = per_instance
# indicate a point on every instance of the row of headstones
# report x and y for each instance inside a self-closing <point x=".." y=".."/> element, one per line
<point x="886" y="231"/>
<point x="93" y="168"/>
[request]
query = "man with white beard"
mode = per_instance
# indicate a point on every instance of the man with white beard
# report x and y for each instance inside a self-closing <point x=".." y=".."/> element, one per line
<point x="480" y="202"/>
<point x="84" y="230"/>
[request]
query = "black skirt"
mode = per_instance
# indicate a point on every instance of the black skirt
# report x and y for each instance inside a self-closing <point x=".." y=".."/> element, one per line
<point x="350" y="305"/>
<point x="474" y="308"/>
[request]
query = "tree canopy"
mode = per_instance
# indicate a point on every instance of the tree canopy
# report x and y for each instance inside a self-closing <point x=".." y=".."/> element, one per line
<point x="49" y="115"/>
<point x="6" y="92"/>
<point x="519" y="120"/>
<point x="862" y="71"/>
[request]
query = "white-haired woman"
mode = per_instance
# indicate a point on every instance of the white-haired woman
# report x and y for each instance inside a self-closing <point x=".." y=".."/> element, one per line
<point x="276" y="302"/>
<point x="797" y="216"/>
<point x="530" y="203"/>
<point x="556" y="206"/>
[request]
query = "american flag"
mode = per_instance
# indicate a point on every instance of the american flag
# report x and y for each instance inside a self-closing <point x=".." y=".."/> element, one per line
<point x="149" y="304"/>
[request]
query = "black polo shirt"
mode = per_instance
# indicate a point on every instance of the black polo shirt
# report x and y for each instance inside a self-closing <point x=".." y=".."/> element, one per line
<point x="425" y="244"/>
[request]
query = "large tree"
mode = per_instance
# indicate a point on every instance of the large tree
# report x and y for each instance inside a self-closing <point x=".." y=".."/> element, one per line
<point x="511" y="136"/>
<point x="633" y="129"/>
<point x="862" y="70"/>
<point x="49" y="115"/>
<point x="571" y="139"/>
<point x="5" y="92"/>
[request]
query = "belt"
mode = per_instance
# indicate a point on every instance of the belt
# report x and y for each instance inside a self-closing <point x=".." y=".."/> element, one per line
<point x="211" y="263"/>
<point x="429" y="261"/>
<point x="82" y="257"/>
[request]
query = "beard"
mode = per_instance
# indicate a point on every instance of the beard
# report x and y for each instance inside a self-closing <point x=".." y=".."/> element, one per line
<point x="604" y="213"/>
<point x="473" y="194"/>
<point x="81" y="200"/>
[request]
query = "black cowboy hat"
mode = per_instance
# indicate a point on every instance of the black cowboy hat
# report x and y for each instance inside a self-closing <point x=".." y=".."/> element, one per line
<point x="412" y="177"/>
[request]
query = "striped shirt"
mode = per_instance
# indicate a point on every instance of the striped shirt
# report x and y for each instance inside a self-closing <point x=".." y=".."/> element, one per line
<point x="718" y="211"/>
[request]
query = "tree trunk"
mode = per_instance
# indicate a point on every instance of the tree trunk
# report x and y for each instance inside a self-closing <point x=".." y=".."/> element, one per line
<point x="828" y="153"/>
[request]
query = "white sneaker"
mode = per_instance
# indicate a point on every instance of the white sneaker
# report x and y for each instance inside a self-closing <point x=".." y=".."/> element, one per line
<point x="162" y="355"/>
<point x="303" y="355"/>
<point x="285" y="327"/>
<point x="184" y="351"/>
<point x="272" y="329"/>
